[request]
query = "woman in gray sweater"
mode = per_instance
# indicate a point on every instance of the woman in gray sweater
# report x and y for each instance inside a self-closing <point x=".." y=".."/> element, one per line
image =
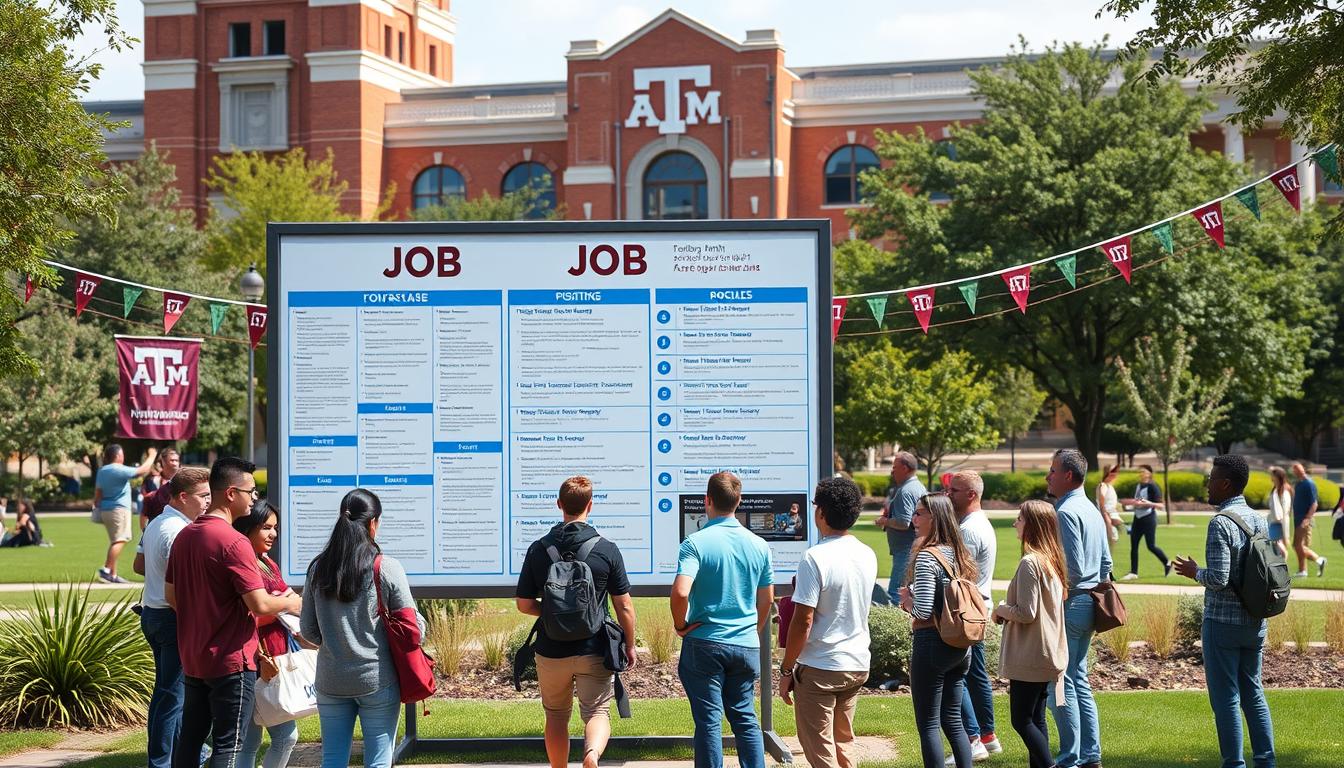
<point x="355" y="675"/>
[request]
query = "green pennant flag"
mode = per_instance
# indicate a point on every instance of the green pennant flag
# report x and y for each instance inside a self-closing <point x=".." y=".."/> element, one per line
<point x="969" y="292"/>
<point x="1248" y="198"/>
<point x="1069" y="266"/>
<point x="878" y="304"/>
<point x="217" y="313"/>
<point x="1328" y="159"/>
<point x="1163" y="234"/>
<point x="128" y="297"/>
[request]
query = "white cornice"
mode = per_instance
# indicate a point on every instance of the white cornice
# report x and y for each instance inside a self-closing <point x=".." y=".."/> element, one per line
<point x="755" y="169"/>
<point x="248" y="64"/>
<point x="381" y="6"/>
<point x="169" y="7"/>
<point x="339" y="66"/>
<point x="518" y="132"/>
<point x="434" y="22"/>
<point x="170" y="75"/>
<point x="589" y="174"/>
<point x="887" y="111"/>
<point x="592" y="50"/>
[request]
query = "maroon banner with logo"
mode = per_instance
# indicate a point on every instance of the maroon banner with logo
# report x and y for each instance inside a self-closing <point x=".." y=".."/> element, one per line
<point x="922" y="302"/>
<point x="1118" y="253"/>
<point x="158" y="387"/>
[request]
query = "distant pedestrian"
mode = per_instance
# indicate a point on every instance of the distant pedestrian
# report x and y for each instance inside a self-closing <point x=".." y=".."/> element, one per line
<point x="720" y="603"/>
<point x="355" y="674"/>
<point x="937" y="670"/>
<point x="1232" y="640"/>
<point x="1108" y="503"/>
<point x="964" y="490"/>
<point x="1087" y="558"/>
<point x="156" y="496"/>
<point x="1146" y="501"/>
<point x="215" y="586"/>
<point x="827" y="658"/>
<point x="906" y="491"/>
<point x="27" y="530"/>
<point x="1034" y="651"/>
<point x="1280" y="509"/>
<point x="567" y="665"/>
<point x="1306" y="501"/>
<point x="112" y="504"/>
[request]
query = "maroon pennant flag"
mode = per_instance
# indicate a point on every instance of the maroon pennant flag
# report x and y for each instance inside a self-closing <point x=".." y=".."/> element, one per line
<point x="922" y="302"/>
<point x="837" y="315"/>
<point x="1118" y="253"/>
<point x="1210" y="217"/>
<point x="174" y="304"/>
<point x="85" y="285"/>
<point x="1019" y="284"/>
<point x="256" y="323"/>
<point x="27" y="288"/>
<point x="1286" y="182"/>
<point x="159" y="383"/>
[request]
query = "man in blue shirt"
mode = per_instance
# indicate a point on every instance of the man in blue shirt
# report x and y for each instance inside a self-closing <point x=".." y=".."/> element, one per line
<point x="112" y="504"/>
<point x="1087" y="557"/>
<point x="906" y="491"/>
<point x="1233" y="641"/>
<point x="720" y="604"/>
<point x="1305" y="503"/>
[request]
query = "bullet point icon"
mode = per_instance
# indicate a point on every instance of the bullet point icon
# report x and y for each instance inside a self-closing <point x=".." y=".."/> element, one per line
<point x="664" y="316"/>
<point x="665" y="505"/>
<point x="664" y="479"/>
<point x="664" y="342"/>
<point x="664" y="393"/>
<point x="664" y="446"/>
<point x="664" y="367"/>
<point x="664" y="419"/>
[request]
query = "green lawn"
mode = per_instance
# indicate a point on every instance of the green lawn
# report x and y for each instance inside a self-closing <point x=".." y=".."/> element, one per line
<point x="19" y="741"/>
<point x="1139" y="729"/>
<point x="1184" y="537"/>
<point x="78" y="550"/>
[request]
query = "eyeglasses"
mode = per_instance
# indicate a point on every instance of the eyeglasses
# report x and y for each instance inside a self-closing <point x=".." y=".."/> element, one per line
<point x="256" y="494"/>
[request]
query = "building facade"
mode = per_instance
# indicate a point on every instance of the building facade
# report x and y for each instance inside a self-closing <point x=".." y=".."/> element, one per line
<point x="676" y="120"/>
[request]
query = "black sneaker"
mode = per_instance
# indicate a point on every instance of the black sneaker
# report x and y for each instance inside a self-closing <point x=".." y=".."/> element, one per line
<point x="1168" y="568"/>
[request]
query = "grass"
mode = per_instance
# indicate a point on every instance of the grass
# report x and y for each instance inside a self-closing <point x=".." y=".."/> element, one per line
<point x="20" y="741"/>
<point x="1185" y="536"/>
<point x="79" y="548"/>
<point x="1307" y="729"/>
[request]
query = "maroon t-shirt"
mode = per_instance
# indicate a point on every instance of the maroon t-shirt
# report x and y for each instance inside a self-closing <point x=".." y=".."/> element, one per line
<point x="273" y="636"/>
<point x="152" y="505"/>
<point x="210" y="568"/>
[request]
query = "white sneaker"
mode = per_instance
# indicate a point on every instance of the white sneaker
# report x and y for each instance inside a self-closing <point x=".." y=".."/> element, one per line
<point x="992" y="746"/>
<point x="978" y="751"/>
<point x="1320" y="567"/>
<point x="1130" y="577"/>
<point x="1300" y="575"/>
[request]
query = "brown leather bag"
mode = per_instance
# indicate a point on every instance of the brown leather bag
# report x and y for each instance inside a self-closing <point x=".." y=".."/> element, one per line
<point x="1110" y="609"/>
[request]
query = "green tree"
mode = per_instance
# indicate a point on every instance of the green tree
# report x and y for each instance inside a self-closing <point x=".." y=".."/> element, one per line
<point x="931" y="411"/>
<point x="1319" y="404"/>
<point x="1075" y="148"/>
<point x="523" y="203"/>
<point x="51" y="150"/>
<point x="1171" y="410"/>
<point x="1017" y="403"/>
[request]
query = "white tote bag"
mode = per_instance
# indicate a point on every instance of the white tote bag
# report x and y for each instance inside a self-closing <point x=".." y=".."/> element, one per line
<point x="290" y="695"/>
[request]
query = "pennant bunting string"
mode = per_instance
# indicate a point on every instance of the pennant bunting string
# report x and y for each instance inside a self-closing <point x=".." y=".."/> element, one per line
<point x="968" y="292"/>
<point x="1251" y="200"/>
<point x="128" y="298"/>
<point x="1068" y="266"/>
<point x="1287" y="183"/>
<point x="837" y="315"/>
<point x="217" y="313"/>
<point x="878" y="304"/>
<point x="1119" y="255"/>
<point x="922" y="303"/>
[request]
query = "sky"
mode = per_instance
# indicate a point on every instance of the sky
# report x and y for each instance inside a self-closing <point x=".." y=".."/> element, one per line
<point x="505" y="41"/>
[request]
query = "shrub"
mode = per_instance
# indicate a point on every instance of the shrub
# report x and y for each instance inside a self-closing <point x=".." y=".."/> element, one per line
<point x="1277" y="634"/>
<point x="1184" y="486"/>
<point x="515" y="643"/>
<point x="1189" y="619"/>
<point x="1334" y="625"/>
<point x="444" y="634"/>
<point x="890" y="638"/>
<point x="1160" y="622"/>
<point x="873" y="483"/>
<point x="660" y="638"/>
<point x="1014" y="487"/>
<point x="69" y="664"/>
<point x="1117" y="641"/>
<point x="1299" y="629"/>
<point x="493" y="645"/>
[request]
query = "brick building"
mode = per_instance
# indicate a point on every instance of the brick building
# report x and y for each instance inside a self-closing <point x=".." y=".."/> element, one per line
<point x="676" y="120"/>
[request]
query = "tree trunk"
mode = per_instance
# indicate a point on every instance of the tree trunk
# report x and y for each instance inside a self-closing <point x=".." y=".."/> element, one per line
<point x="1087" y="434"/>
<point x="1166" y="490"/>
<point x="1012" y="453"/>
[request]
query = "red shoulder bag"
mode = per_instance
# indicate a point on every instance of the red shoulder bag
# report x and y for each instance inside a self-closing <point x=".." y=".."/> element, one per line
<point x="415" y="669"/>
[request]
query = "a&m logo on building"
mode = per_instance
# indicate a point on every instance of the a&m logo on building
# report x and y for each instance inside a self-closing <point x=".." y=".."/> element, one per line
<point x="698" y="107"/>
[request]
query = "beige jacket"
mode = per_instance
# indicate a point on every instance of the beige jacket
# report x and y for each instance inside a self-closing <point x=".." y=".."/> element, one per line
<point x="1034" y="648"/>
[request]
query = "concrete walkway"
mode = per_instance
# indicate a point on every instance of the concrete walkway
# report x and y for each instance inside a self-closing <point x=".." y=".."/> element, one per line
<point x="47" y="758"/>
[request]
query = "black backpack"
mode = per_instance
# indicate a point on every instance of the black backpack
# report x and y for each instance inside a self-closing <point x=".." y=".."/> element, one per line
<point x="569" y="606"/>
<point x="1264" y="582"/>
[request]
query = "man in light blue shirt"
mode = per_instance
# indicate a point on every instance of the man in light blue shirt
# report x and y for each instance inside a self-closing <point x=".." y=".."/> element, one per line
<point x="1087" y="557"/>
<point x="720" y="604"/>
<point x="906" y="491"/>
<point x="112" y="504"/>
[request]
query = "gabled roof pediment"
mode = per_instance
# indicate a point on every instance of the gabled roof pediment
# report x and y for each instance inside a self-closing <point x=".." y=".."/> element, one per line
<point x="592" y="50"/>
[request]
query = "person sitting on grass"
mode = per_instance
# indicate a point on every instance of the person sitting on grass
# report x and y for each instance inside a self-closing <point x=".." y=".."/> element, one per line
<point x="27" y="532"/>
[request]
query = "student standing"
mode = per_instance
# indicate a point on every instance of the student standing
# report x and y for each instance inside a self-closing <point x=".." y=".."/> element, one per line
<point x="1280" y="509"/>
<point x="964" y="490"/>
<point x="1034" y="653"/>
<point x="720" y="604"/>
<point x="112" y="504"/>
<point x="827" y="658"/>
<point x="1108" y="502"/>
<point x="1146" y="501"/>
<point x="937" y="670"/>
<point x="906" y="491"/>
<point x="1305" y="504"/>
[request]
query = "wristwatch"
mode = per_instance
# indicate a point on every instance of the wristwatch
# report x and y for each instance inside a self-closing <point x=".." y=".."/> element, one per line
<point x="786" y="672"/>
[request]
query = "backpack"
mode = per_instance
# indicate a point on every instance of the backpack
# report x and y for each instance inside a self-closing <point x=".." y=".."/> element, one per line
<point x="963" y="619"/>
<point x="1264" y="582"/>
<point x="569" y="606"/>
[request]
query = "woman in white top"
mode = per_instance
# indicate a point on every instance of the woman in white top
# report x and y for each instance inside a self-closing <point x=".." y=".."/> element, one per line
<point x="1280" y="509"/>
<point x="1108" y="502"/>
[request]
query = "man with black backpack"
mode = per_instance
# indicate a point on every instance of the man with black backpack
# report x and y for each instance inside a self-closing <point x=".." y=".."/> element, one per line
<point x="565" y="580"/>
<point x="1245" y="582"/>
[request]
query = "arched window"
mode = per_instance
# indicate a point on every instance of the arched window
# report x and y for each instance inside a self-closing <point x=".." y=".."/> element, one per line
<point x="523" y="174"/>
<point x="676" y="187"/>
<point x="435" y="185"/>
<point x="842" y="173"/>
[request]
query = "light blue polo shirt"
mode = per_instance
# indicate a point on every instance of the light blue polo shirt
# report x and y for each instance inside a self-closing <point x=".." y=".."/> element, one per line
<point x="115" y="482"/>
<point x="727" y="564"/>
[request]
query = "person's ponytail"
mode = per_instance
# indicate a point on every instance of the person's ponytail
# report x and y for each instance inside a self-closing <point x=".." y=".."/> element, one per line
<point x="340" y="570"/>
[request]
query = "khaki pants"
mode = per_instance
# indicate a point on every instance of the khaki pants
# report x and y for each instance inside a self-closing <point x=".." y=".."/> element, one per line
<point x="558" y="680"/>
<point x="824" y="704"/>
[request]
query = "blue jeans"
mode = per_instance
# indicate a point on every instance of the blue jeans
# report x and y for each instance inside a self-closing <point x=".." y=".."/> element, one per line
<point x="1232" y="657"/>
<point x="937" y="675"/>
<point x="720" y="679"/>
<point x="165" y="705"/>
<point x="378" y="715"/>
<point x="900" y="560"/>
<point x="977" y="699"/>
<point x="283" y="738"/>
<point x="1076" y="717"/>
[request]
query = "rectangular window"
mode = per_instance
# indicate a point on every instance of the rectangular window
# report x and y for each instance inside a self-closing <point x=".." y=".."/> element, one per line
<point x="401" y="47"/>
<point x="434" y="61"/>
<point x="273" y="38"/>
<point x="387" y="41"/>
<point x="240" y="39"/>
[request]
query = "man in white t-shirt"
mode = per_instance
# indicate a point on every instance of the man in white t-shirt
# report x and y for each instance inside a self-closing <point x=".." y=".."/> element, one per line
<point x="977" y="533"/>
<point x="190" y="495"/>
<point x="826" y="658"/>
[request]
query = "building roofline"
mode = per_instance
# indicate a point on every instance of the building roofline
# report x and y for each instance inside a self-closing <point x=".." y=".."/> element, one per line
<point x="594" y="51"/>
<point x="491" y="89"/>
<point x="120" y="107"/>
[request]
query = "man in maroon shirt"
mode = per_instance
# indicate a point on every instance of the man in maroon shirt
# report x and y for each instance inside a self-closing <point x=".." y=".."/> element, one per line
<point x="215" y="586"/>
<point x="156" y="499"/>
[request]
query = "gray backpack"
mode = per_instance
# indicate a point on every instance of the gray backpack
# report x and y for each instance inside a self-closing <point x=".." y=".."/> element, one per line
<point x="569" y="606"/>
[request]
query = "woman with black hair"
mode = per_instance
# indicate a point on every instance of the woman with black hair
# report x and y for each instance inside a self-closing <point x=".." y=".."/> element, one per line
<point x="261" y="525"/>
<point x="355" y="674"/>
<point x="27" y="531"/>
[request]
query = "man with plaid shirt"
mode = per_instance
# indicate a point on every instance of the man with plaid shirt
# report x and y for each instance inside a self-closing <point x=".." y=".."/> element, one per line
<point x="1233" y="640"/>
